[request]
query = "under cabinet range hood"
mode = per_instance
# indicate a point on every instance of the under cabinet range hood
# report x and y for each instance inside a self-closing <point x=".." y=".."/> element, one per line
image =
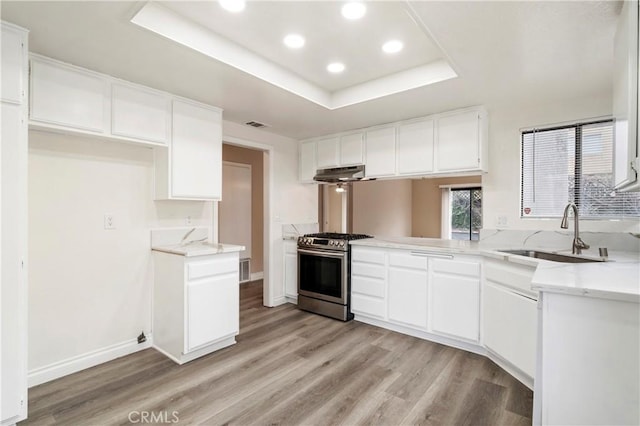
<point x="340" y="174"/>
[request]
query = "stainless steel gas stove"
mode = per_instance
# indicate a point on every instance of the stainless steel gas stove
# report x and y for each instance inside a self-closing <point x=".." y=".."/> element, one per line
<point x="324" y="274"/>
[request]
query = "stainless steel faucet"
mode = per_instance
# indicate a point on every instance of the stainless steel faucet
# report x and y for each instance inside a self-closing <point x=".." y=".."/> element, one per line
<point x="578" y="244"/>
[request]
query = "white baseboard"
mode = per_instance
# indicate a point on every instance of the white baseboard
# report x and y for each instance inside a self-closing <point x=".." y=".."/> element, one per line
<point x="86" y="360"/>
<point x="278" y="301"/>
<point x="257" y="276"/>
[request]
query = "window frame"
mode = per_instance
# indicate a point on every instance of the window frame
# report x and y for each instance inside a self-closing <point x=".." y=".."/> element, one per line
<point x="445" y="212"/>
<point x="577" y="168"/>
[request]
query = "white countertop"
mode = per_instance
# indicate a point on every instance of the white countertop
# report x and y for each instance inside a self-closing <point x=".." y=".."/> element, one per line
<point x="607" y="280"/>
<point x="618" y="278"/>
<point x="415" y="243"/>
<point x="198" y="249"/>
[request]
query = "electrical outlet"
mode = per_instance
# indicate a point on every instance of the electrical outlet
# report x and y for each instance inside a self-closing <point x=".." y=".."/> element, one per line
<point x="187" y="220"/>
<point x="109" y="222"/>
<point x="501" y="221"/>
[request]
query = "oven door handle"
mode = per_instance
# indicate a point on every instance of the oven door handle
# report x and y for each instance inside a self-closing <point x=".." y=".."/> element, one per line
<point x="338" y="255"/>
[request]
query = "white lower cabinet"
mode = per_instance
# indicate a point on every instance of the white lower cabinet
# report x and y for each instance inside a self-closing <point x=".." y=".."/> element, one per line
<point x="510" y="315"/>
<point x="368" y="282"/>
<point x="196" y="304"/>
<point x="290" y="269"/>
<point x="408" y="277"/>
<point x="589" y="361"/>
<point x="428" y="293"/>
<point x="455" y="297"/>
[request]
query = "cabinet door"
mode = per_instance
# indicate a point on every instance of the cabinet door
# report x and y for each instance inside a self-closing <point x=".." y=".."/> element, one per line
<point x="407" y="289"/>
<point x="351" y="147"/>
<point x="290" y="269"/>
<point x="415" y="147"/>
<point x="66" y="96"/>
<point x="139" y="113"/>
<point x="212" y="310"/>
<point x="196" y="152"/>
<point x="510" y="323"/>
<point x="12" y="65"/>
<point x="307" y="161"/>
<point x="625" y="97"/>
<point x="380" y="157"/>
<point x="458" y="142"/>
<point x="13" y="154"/>
<point x="455" y="298"/>
<point x="328" y="152"/>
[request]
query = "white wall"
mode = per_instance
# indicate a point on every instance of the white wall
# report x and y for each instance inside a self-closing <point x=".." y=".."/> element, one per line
<point x="382" y="207"/>
<point x="501" y="186"/>
<point x="290" y="201"/>
<point x="90" y="288"/>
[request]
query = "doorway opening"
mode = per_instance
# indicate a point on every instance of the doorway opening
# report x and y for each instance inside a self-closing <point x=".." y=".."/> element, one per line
<point x="241" y="213"/>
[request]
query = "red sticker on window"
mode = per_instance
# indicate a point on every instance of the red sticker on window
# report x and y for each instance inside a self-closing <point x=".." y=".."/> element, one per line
<point x="527" y="210"/>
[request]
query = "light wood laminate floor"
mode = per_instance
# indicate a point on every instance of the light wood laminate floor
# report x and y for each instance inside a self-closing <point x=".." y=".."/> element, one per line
<point x="292" y="368"/>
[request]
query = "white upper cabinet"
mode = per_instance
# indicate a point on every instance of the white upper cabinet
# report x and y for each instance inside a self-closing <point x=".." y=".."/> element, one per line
<point x="335" y="151"/>
<point x="63" y="95"/>
<point x="351" y="149"/>
<point x="458" y="145"/>
<point x="450" y="143"/>
<point x="328" y="152"/>
<point x="307" y="161"/>
<point x="625" y="100"/>
<point x="195" y="152"/>
<point x="140" y="113"/>
<point x="12" y="65"/>
<point x="380" y="152"/>
<point x="415" y="147"/>
<point x="186" y="135"/>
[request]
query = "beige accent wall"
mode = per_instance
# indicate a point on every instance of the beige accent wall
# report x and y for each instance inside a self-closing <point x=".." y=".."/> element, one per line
<point x="426" y="211"/>
<point x="382" y="208"/>
<point x="255" y="158"/>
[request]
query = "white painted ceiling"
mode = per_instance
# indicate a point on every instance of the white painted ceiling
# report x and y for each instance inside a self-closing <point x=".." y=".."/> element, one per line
<point x="505" y="53"/>
<point x="261" y="27"/>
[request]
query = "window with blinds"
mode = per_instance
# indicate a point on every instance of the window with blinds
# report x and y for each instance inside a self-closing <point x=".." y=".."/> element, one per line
<point x="572" y="164"/>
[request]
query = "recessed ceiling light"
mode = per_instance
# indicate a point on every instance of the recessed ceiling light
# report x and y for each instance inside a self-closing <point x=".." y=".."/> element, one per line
<point x="392" y="46"/>
<point x="354" y="10"/>
<point x="335" y="67"/>
<point x="294" y="41"/>
<point x="232" y="5"/>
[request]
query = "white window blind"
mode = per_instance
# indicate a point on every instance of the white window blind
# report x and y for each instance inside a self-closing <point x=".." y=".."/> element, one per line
<point x="572" y="163"/>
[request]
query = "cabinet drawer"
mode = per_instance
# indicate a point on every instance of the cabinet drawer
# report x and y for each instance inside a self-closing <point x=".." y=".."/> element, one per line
<point x="368" y="270"/>
<point x="406" y="260"/>
<point x="510" y="275"/>
<point x="361" y="304"/>
<point x="456" y="267"/>
<point x="359" y="254"/>
<point x="207" y="268"/>
<point x="368" y="286"/>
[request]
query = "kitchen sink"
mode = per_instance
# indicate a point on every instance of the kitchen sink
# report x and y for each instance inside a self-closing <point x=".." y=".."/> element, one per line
<point x="554" y="257"/>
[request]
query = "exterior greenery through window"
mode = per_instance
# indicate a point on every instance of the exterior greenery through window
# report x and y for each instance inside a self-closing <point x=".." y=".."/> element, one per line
<point x="466" y="213"/>
<point x="572" y="163"/>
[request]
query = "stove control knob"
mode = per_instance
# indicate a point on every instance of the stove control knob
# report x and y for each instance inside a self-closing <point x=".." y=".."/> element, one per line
<point x="341" y="243"/>
<point x="331" y="242"/>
